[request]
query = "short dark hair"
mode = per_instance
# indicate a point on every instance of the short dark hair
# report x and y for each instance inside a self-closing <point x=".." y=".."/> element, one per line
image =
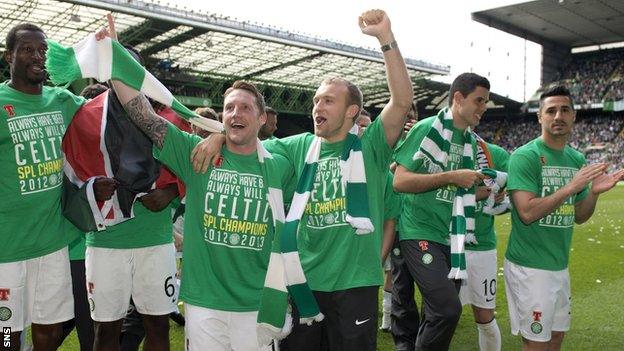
<point x="11" y="37"/>
<point x="354" y="96"/>
<point x="241" y="84"/>
<point x="557" y="90"/>
<point x="466" y="83"/>
<point x="207" y="112"/>
<point x="270" y="109"/>
<point x="93" y="90"/>
<point x="363" y="112"/>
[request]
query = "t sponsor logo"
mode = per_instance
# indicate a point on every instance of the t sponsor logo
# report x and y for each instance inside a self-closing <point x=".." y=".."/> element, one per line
<point x="10" y="110"/>
<point x="543" y="160"/>
<point x="4" y="294"/>
<point x="424" y="245"/>
<point x="537" y="315"/>
<point x="90" y="287"/>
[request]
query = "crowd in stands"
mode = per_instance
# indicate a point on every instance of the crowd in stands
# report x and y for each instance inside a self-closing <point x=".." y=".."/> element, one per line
<point x="594" y="77"/>
<point x="601" y="138"/>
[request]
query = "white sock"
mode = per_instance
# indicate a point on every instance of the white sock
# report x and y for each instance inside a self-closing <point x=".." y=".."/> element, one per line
<point x="387" y="302"/>
<point x="489" y="336"/>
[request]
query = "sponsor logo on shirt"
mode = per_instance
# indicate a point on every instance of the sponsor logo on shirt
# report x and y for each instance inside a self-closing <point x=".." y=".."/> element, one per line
<point x="4" y="294"/>
<point x="10" y="110"/>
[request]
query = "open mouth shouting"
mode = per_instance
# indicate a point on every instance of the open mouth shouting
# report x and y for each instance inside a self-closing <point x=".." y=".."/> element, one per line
<point x="237" y="125"/>
<point x="319" y="121"/>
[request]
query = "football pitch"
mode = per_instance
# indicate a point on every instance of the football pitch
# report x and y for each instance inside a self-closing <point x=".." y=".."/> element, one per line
<point x="597" y="274"/>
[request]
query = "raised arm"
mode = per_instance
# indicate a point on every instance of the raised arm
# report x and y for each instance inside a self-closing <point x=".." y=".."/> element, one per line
<point x="136" y="105"/>
<point x="377" y="24"/>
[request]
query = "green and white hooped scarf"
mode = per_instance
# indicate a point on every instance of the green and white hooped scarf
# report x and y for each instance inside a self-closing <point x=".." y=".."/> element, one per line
<point x="106" y="59"/>
<point x="434" y="150"/>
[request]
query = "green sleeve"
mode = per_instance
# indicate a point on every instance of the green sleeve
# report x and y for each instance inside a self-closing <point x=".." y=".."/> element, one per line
<point x="407" y="148"/>
<point x="583" y="194"/>
<point x="392" y="201"/>
<point x="176" y="151"/>
<point x="375" y="143"/>
<point x="500" y="157"/>
<point x="72" y="103"/>
<point x="523" y="173"/>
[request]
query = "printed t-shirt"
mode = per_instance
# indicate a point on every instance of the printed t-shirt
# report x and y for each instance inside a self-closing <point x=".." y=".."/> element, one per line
<point x="536" y="168"/>
<point x="427" y="215"/>
<point x="334" y="257"/>
<point x="228" y="225"/>
<point x="31" y="171"/>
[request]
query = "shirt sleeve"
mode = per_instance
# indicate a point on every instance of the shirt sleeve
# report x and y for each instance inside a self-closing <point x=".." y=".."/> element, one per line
<point x="375" y="143"/>
<point x="501" y="158"/>
<point x="72" y="103"/>
<point x="583" y="194"/>
<point x="176" y="151"/>
<point x="392" y="201"/>
<point x="523" y="175"/>
<point x="405" y="151"/>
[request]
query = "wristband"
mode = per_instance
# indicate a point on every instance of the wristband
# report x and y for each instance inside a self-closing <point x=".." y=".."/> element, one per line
<point x="390" y="46"/>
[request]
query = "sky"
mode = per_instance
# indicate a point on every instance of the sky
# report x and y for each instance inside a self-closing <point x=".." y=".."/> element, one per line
<point x="437" y="31"/>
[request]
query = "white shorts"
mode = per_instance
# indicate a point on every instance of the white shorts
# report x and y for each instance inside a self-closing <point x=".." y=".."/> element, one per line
<point x="539" y="301"/>
<point x="480" y="290"/>
<point x="37" y="290"/>
<point x="148" y="274"/>
<point x="208" y="329"/>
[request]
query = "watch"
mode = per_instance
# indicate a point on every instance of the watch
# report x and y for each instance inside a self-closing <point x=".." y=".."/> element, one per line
<point x="390" y="46"/>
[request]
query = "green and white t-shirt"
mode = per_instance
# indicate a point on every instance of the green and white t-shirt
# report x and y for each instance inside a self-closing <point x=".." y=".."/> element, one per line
<point x="228" y="225"/>
<point x="333" y="256"/>
<point x="31" y="171"/>
<point x="536" y="168"/>
<point x="426" y="216"/>
<point x="484" y="223"/>
<point x="146" y="229"/>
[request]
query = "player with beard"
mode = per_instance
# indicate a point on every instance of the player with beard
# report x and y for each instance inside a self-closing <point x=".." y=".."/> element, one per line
<point x="35" y="280"/>
<point x="341" y="215"/>
<point x="551" y="189"/>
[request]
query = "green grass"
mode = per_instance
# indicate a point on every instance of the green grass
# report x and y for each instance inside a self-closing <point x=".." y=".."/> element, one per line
<point x="597" y="316"/>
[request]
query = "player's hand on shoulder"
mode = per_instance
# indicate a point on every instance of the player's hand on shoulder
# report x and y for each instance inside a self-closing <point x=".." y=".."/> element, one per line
<point x="207" y="152"/>
<point x="104" y="188"/>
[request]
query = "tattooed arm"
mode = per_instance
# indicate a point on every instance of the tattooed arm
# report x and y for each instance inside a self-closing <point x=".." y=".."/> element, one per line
<point x="141" y="113"/>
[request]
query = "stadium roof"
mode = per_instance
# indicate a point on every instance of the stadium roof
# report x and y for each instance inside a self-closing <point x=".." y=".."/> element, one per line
<point x="569" y="23"/>
<point x="212" y="46"/>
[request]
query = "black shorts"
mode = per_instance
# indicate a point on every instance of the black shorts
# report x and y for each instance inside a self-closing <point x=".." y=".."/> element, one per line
<point x="350" y="322"/>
